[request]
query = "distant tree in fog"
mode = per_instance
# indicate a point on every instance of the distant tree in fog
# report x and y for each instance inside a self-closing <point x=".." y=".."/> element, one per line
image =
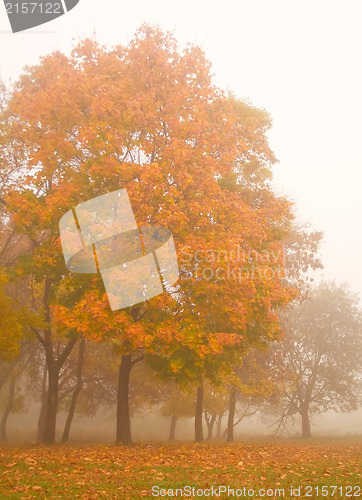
<point x="319" y="360"/>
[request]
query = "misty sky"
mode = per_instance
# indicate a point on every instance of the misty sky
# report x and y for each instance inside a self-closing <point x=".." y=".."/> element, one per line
<point x="299" y="59"/>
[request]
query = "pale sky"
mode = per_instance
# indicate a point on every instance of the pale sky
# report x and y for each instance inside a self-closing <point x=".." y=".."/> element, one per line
<point x="299" y="59"/>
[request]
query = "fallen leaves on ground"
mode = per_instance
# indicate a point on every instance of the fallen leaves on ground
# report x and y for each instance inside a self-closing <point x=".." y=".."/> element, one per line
<point x="117" y="472"/>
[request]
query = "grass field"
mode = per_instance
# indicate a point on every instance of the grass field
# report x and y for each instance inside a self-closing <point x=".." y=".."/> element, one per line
<point x="92" y="472"/>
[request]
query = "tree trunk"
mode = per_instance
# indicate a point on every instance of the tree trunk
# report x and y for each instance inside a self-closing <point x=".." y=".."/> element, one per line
<point x="54" y="365"/>
<point x="198" y="414"/>
<point x="78" y="388"/>
<point x="123" y="432"/>
<point x="306" y="433"/>
<point x="8" y="409"/>
<point x="43" y="408"/>
<point x="171" y="436"/>
<point x="218" y="427"/>
<point x="51" y="404"/>
<point x="210" y="426"/>
<point x="230" y="428"/>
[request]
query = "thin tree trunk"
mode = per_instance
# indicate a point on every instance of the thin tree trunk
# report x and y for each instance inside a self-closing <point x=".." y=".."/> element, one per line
<point x="230" y="427"/>
<point x="171" y="436"/>
<point x="51" y="404"/>
<point x="53" y="368"/>
<point x="218" y="427"/>
<point x="54" y="365"/>
<point x="199" y="436"/>
<point x="210" y="426"/>
<point x="8" y="410"/>
<point x="43" y="408"/>
<point x="78" y="388"/>
<point x="123" y="432"/>
<point x="306" y="432"/>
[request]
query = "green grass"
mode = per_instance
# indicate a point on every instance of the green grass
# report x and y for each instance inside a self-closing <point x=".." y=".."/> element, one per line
<point x="116" y="472"/>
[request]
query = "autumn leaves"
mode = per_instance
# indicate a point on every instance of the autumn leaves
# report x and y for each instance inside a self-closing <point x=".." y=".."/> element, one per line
<point x="145" y="117"/>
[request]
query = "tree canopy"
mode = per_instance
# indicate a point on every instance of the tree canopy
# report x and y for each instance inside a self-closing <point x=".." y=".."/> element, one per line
<point x="146" y="117"/>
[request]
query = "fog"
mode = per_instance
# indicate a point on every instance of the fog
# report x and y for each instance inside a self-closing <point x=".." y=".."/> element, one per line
<point x="152" y="427"/>
<point x="300" y="61"/>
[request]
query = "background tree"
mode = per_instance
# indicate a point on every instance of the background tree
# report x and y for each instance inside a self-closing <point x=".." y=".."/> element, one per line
<point x="301" y="252"/>
<point x="215" y="406"/>
<point x="320" y="355"/>
<point x="177" y="403"/>
<point x="251" y="384"/>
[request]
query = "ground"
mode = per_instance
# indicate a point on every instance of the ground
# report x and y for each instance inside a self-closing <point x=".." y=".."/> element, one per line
<point x="252" y="470"/>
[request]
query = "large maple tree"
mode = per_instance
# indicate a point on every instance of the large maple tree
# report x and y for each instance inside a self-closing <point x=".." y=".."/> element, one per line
<point x="147" y="117"/>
